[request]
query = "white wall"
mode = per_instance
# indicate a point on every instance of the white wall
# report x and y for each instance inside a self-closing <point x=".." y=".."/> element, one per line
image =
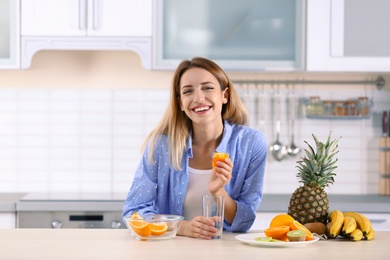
<point x="75" y="121"/>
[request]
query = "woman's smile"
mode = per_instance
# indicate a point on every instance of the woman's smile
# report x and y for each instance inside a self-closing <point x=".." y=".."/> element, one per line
<point x="201" y="109"/>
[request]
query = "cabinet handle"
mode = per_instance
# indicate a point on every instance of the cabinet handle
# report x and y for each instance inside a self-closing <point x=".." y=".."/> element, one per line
<point x="95" y="15"/>
<point x="82" y="14"/>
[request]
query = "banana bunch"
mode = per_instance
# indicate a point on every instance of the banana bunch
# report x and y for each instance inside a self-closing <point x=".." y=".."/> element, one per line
<point x="352" y="225"/>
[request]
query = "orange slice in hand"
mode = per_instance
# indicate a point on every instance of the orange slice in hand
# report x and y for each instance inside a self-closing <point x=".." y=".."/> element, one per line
<point x="279" y="232"/>
<point x="158" y="229"/>
<point x="219" y="156"/>
<point x="295" y="225"/>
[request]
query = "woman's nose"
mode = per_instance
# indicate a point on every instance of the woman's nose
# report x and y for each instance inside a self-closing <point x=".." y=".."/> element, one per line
<point x="199" y="96"/>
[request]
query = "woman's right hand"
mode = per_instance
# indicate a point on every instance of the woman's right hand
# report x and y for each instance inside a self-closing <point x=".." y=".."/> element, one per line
<point x="198" y="227"/>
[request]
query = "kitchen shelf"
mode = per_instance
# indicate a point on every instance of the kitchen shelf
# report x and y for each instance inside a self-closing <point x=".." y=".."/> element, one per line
<point x="339" y="117"/>
<point x="349" y="109"/>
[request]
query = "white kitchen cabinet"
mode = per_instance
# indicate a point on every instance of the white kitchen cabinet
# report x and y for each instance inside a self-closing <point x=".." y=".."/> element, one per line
<point x="238" y="35"/>
<point x="86" y="25"/>
<point x="9" y="34"/>
<point x="7" y="220"/>
<point x="86" y="18"/>
<point x="348" y="35"/>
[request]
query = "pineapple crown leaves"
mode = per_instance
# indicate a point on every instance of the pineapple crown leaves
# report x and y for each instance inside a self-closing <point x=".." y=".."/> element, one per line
<point x="317" y="168"/>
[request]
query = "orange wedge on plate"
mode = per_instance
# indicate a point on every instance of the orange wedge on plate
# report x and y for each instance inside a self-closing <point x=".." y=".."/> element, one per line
<point x="281" y="220"/>
<point x="279" y="232"/>
<point x="295" y="225"/>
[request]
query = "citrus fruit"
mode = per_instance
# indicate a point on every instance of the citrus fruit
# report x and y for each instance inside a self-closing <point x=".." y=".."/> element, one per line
<point x="281" y="220"/>
<point x="279" y="232"/>
<point x="219" y="156"/>
<point x="295" y="225"/>
<point x="139" y="226"/>
<point x="157" y="229"/>
<point x="136" y="216"/>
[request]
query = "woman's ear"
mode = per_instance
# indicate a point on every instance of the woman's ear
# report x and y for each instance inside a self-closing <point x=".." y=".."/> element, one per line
<point x="226" y="95"/>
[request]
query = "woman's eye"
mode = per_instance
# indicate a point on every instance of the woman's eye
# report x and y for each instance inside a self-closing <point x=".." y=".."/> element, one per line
<point x="209" y="87"/>
<point x="187" y="91"/>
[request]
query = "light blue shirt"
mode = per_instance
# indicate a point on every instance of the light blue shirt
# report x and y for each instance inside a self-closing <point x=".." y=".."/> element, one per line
<point x="159" y="188"/>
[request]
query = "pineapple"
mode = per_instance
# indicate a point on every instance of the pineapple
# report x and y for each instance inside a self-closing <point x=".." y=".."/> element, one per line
<point x="310" y="203"/>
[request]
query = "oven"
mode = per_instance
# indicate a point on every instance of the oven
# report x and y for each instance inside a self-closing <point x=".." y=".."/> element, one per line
<point x="70" y="211"/>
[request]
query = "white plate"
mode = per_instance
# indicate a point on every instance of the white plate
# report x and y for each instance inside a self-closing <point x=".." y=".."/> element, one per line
<point x="250" y="239"/>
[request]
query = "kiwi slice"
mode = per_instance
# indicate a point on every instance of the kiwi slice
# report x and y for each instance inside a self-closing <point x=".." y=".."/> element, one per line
<point x="296" y="235"/>
<point x="276" y="240"/>
<point x="263" y="239"/>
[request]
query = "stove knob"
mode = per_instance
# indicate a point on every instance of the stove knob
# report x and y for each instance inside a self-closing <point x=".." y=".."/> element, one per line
<point x="115" y="224"/>
<point x="56" y="224"/>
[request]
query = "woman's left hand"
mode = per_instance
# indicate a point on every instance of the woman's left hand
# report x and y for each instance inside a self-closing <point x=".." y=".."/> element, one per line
<point x="220" y="176"/>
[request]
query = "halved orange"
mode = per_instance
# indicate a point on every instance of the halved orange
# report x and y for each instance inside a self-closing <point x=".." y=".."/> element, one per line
<point x="219" y="156"/>
<point x="136" y="216"/>
<point x="140" y="227"/>
<point x="295" y="225"/>
<point x="281" y="220"/>
<point x="158" y="229"/>
<point x="279" y="232"/>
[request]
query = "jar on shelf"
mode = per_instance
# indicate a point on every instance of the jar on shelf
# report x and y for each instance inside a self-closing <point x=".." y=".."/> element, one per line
<point x="351" y="107"/>
<point x="340" y="109"/>
<point x="328" y="107"/>
<point x="363" y="106"/>
<point x="314" y="107"/>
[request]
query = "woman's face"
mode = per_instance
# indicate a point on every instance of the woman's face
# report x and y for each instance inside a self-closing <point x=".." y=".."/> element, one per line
<point x="201" y="97"/>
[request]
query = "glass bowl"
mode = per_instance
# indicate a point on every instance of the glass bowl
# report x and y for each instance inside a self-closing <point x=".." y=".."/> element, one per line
<point x="153" y="226"/>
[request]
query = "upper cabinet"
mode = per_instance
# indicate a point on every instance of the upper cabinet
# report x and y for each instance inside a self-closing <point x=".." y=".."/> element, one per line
<point x="86" y="25"/>
<point x="348" y="35"/>
<point x="9" y="34"/>
<point x="238" y="35"/>
<point x="86" y="18"/>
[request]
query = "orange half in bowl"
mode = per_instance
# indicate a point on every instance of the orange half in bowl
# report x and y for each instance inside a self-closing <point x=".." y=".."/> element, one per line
<point x="140" y="227"/>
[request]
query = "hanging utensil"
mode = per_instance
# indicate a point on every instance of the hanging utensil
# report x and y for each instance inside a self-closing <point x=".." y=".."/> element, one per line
<point x="256" y="102"/>
<point x="278" y="150"/>
<point x="261" y="110"/>
<point x="292" y="149"/>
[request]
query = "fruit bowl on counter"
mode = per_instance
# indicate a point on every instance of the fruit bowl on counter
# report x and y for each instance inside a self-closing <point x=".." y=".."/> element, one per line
<point x="151" y="227"/>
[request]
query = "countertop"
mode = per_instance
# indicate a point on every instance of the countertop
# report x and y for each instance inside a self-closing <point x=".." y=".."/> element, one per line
<point x="9" y="202"/>
<point x="106" y="244"/>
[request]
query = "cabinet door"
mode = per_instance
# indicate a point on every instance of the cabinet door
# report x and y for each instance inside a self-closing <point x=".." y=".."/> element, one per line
<point x="86" y="17"/>
<point x="348" y="35"/>
<point x="9" y="34"/>
<point x="119" y="17"/>
<point x="238" y="35"/>
<point x="7" y="219"/>
<point x="53" y="17"/>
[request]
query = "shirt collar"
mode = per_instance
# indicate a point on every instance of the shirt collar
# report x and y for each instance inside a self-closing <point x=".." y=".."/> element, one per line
<point x="222" y="147"/>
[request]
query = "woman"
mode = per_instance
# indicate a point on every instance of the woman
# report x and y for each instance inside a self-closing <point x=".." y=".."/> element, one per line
<point x="204" y="115"/>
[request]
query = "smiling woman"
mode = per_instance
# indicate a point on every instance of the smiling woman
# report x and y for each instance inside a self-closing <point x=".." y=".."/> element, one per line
<point x="204" y="115"/>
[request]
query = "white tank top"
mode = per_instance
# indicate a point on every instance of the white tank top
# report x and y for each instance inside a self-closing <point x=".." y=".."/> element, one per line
<point x="198" y="185"/>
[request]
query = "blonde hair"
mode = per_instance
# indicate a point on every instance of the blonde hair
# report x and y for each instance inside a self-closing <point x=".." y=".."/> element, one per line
<point x="175" y="123"/>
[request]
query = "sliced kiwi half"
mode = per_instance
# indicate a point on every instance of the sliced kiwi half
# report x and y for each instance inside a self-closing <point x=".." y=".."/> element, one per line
<point x="263" y="239"/>
<point x="276" y="240"/>
<point x="296" y="235"/>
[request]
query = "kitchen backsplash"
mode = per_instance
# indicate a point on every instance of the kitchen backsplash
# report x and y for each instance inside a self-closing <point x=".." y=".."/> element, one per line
<point x="88" y="140"/>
